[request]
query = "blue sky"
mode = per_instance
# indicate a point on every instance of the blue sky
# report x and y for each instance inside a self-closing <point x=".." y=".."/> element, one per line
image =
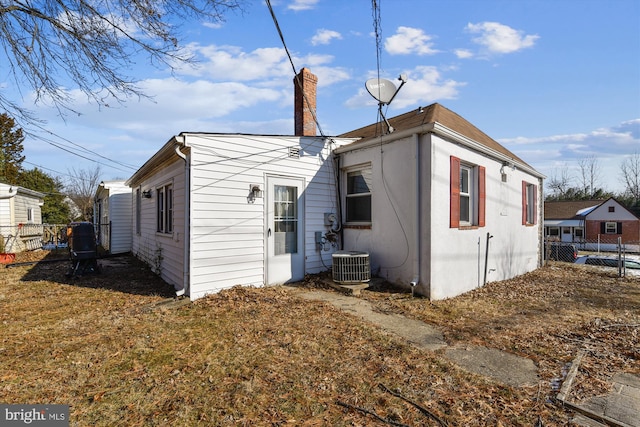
<point x="555" y="81"/>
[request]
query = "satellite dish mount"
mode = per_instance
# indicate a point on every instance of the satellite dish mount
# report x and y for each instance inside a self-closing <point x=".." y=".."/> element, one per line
<point x="384" y="91"/>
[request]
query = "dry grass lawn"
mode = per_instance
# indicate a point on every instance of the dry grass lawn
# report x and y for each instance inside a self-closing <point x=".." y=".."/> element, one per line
<point x="107" y="346"/>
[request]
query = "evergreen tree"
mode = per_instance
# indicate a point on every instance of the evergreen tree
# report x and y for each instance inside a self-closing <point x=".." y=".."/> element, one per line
<point x="11" y="158"/>
<point x="54" y="210"/>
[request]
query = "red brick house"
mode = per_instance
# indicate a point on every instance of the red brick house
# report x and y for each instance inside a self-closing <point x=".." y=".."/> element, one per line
<point x="593" y="221"/>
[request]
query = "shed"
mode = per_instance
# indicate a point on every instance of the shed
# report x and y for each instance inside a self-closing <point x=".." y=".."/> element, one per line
<point x="20" y="218"/>
<point x="113" y="216"/>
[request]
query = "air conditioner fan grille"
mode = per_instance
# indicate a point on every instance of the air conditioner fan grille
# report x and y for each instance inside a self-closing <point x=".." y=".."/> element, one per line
<point x="351" y="267"/>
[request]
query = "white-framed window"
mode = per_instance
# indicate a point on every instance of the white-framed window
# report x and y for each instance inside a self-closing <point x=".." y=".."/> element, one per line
<point x="358" y="195"/>
<point x="553" y="231"/>
<point x="29" y="214"/>
<point x="578" y="233"/>
<point x="611" y="228"/>
<point x="467" y="198"/>
<point x="529" y="203"/>
<point x="164" y="209"/>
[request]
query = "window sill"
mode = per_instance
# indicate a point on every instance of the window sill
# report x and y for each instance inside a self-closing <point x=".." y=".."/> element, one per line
<point x="357" y="226"/>
<point x="468" y="227"/>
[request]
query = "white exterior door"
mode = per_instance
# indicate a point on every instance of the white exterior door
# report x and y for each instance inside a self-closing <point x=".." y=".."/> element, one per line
<point x="285" y="229"/>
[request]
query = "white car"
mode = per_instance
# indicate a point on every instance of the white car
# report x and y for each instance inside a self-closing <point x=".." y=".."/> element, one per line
<point x="607" y="262"/>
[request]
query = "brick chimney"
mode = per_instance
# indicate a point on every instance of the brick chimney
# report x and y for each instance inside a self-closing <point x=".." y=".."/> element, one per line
<point x="304" y="109"/>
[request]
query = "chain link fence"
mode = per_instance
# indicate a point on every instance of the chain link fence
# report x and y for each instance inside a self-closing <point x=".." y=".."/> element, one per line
<point x="604" y="251"/>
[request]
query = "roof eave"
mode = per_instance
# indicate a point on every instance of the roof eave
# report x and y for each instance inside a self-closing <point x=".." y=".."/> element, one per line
<point x="162" y="155"/>
<point x="441" y="130"/>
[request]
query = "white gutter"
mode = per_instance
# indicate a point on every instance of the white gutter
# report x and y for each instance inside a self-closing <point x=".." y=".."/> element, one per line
<point x="417" y="257"/>
<point x="186" y="235"/>
<point x="13" y="190"/>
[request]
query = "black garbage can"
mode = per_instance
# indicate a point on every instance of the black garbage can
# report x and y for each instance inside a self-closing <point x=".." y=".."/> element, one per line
<point x="81" y="238"/>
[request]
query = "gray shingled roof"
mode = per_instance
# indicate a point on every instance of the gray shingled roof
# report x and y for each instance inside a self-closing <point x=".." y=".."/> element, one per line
<point x="567" y="210"/>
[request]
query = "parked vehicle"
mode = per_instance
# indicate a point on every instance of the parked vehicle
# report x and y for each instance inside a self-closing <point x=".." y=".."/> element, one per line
<point x="607" y="262"/>
<point x="558" y="251"/>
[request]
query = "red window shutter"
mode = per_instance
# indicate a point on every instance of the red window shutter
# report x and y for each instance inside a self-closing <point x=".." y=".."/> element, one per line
<point x="524" y="203"/>
<point x="535" y="204"/>
<point x="482" y="196"/>
<point x="454" y="199"/>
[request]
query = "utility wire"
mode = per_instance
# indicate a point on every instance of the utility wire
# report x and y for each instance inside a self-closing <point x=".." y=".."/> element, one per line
<point x="377" y="24"/>
<point x="118" y="162"/>
<point x="297" y="79"/>
<point x="295" y="73"/>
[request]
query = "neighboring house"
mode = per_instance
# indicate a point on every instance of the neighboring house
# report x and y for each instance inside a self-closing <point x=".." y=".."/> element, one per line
<point x="594" y="224"/>
<point x="562" y="221"/>
<point x="20" y="218"/>
<point x="212" y="211"/>
<point x="113" y="216"/>
<point x="438" y="204"/>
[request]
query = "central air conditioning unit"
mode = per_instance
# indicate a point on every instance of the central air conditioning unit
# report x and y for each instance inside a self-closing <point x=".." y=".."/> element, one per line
<point x="351" y="267"/>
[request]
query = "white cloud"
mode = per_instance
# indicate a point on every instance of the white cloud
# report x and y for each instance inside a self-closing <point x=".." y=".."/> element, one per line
<point x="409" y="40"/>
<point x="609" y="146"/>
<point x="214" y="25"/>
<point x="302" y="4"/>
<point x="463" y="53"/>
<point x="619" y="139"/>
<point x="497" y="38"/>
<point x="324" y="36"/>
<point x="267" y="67"/>
<point x="425" y="85"/>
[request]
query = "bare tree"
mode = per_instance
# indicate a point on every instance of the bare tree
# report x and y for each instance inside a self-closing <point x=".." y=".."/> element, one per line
<point x="48" y="44"/>
<point x="81" y="187"/>
<point x="630" y="174"/>
<point x="560" y="182"/>
<point x="589" y="174"/>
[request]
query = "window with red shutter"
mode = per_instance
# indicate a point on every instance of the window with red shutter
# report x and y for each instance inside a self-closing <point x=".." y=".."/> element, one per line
<point x="467" y="198"/>
<point x="529" y="203"/>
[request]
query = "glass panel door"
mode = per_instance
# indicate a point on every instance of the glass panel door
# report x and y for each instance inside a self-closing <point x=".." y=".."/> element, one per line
<point x="285" y="221"/>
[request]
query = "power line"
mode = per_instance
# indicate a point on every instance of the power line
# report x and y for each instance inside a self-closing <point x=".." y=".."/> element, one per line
<point x="60" y="146"/>
<point x="295" y="72"/>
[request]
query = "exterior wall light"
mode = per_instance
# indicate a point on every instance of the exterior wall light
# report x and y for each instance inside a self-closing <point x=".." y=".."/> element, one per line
<point x="256" y="192"/>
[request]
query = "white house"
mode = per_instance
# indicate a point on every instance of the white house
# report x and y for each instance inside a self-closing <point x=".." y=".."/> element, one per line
<point x="438" y="204"/>
<point x="212" y="211"/>
<point x="113" y="216"/>
<point x="20" y="218"/>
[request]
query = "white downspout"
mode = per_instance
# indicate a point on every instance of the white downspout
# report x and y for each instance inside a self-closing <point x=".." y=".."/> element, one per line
<point x="187" y="215"/>
<point x="417" y="257"/>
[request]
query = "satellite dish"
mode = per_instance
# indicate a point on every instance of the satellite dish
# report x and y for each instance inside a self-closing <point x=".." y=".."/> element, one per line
<point x="382" y="90"/>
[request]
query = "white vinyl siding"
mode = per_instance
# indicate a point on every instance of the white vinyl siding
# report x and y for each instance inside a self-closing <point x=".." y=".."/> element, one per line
<point x="26" y="210"/>
<point x="227" y="230"/>
<point x="163" y="252"/>
<point x="226" y="240"/>
<point x="116" y="225"/>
